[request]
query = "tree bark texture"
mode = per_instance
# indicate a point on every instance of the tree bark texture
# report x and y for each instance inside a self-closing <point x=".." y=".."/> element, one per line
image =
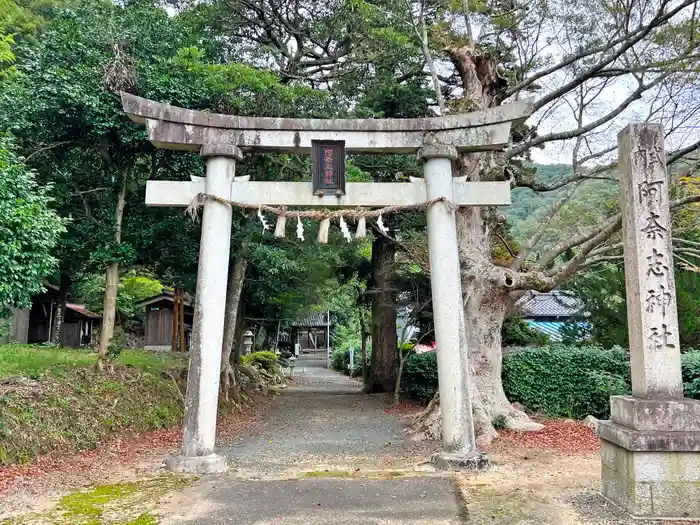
<point x="109" y="310"/>
<point x="363" y="338"/>
<point x="63" y="292"/>
<point x="384" y="359"/>
<point x="234" y="289"/>
<point x="238" y="333"/>
<point x="487" y="289"/>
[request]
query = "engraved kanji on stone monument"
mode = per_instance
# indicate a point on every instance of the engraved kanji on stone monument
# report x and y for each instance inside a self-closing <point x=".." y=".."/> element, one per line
<point x="651" y="301"/>
<point x="657" y="299"/>
<point x="650" y="448"/>
<point x="648" y="191"/>
<point x="656" y="263"/>
<point x="659" y="338"/>
<point x="653" y="228"/>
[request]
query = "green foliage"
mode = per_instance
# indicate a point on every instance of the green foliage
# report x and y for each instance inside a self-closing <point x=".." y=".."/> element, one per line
<point x="590" y="203"/>
<point x="29" y="231"/>
<point x="134" y="286"/>
<point x="7" y="58"/>
<point x="602" y="292"/>
<point x="516" y="332"/>
<point x="556" y="380"/>
<point x="559" y="380"/>
<point x="420" y="377"/>
<point x="267" y="360"/>
<point x="691" y="374"/>
<point x="340" y="360"/>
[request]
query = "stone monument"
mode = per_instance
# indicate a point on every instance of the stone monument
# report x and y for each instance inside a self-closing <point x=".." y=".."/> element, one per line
<point x="650" y="448"/>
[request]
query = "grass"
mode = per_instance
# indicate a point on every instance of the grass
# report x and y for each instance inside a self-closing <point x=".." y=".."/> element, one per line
<point x="32" y="361"/>
<point x="69" y="407"/>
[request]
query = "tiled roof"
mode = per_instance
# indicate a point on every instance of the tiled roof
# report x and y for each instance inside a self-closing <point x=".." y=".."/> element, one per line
<point x="314" y="320"/>
<point x="550" y="304"/>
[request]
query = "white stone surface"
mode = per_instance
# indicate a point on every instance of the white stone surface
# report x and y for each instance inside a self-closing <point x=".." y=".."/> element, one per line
<point x="139" y="109"/>
<point x="190" y="137"/>
<point x="651" y="294"/>
<point x="453" y="374"/>
<point x="652" y="484"/>
<point x="205" y="350"/>
<point x="172" y="193"/>
<point x="211" y="464"/>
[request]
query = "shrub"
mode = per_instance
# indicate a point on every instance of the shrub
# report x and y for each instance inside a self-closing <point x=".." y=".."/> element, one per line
<point x="265" y="359"/>
<point x="420" y="377"/>
<point x="516" y="332"/>
<point x="560" y="380"/>
<point x="557" y="380"/>
<point x="340" y="360"/>
<point x="690" y="367"/>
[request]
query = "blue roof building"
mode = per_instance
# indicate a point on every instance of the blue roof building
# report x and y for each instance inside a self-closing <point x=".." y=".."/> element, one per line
<point x="549" y="312"/>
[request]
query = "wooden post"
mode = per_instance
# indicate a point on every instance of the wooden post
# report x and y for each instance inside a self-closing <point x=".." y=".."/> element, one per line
<point x="182" y="319"/>
<point x="175" y="318"/>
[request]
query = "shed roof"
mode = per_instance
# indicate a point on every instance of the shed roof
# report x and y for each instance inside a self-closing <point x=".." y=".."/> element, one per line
<point x="166" y="295"/>
<point x="80" y="309"/>
<point x="550" y="304"/>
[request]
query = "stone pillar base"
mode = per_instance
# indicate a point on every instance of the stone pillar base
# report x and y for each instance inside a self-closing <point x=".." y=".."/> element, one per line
<point x="650" y="465"/>
<point x="211" y="464"/>
<point x="474" y="461"/>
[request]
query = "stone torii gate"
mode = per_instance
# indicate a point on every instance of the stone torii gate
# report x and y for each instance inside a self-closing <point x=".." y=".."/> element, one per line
<point x="222" y="140"/>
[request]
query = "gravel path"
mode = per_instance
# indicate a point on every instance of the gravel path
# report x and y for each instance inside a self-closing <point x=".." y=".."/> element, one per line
<point x="324" y="421"/>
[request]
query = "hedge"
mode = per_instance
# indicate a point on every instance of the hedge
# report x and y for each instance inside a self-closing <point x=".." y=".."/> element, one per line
<point x="568" y="381"/>
<point x="420" y="377"/>
<point x="556" y="380"/>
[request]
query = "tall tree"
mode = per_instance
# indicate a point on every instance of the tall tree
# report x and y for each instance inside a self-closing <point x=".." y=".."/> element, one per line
<point x="29" y="231"/>
<point x="384" y="358"/>
<point x="570" y="55"/>
<point x="65" y="108"/>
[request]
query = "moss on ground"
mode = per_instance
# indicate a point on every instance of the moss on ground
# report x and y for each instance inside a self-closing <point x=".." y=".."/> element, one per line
<point x="327" y="474"/>
<point x="118" y="504"/>
<point x="369" y="474"/>
<point x="69" y="408"/>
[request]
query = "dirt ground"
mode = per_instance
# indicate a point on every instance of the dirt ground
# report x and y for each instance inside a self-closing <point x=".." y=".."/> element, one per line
<point x="323" y="433"/>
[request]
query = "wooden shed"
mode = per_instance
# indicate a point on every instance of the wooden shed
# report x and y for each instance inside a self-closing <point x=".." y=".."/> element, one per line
<point x="35" y="325"/>
<point x="158" y="324"/>
<point x="313" y="333"/>
<point x="18" y="327"/>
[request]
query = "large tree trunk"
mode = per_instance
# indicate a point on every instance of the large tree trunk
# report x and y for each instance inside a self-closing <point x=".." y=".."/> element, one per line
<point x="487" y="299"/>
<point x="384" y="357"/>
<point x="486" y="288"/>
<point x="233" y="297"/>
<point x="364" y="334"/>
<point x="63" y="291"/>
<point x="109" y="310"/>
<point x="238" y="333"/>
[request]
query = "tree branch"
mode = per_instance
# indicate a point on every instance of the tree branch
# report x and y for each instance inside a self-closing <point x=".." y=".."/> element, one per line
<point x="658" y="20"/>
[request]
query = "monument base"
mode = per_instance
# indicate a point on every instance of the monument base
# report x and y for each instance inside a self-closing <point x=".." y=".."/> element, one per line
<point x="211" y="464"/>
<point x="474" y="461"/>
<point x="653" y="470"/>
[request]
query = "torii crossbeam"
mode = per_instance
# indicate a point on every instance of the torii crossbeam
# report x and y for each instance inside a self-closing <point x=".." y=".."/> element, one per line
<point x="223" y="139"/>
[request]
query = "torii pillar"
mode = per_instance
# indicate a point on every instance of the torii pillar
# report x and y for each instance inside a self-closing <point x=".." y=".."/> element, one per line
<point x="222" y="139"/>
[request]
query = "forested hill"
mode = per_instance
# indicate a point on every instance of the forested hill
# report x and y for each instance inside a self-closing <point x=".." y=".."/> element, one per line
<point x="591" y="201"/>
<point x="526" y="202"/>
